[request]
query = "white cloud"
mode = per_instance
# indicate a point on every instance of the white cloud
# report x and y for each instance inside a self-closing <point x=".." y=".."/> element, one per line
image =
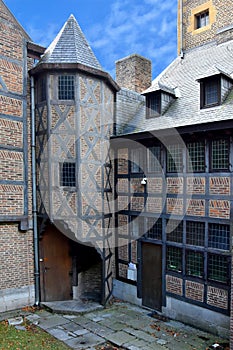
<point x="145" y="27"/>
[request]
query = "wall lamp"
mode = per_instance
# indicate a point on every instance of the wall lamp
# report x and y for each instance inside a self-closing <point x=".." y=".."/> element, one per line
<point x="144" y="181"/>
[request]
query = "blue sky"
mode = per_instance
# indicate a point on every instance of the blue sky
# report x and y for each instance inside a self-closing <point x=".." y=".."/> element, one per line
<point x="113" y="28"/>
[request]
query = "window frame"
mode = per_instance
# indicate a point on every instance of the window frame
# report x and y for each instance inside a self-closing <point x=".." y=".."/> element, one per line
<point x="136" y="168"/>
<point x="212" y="169"/>
<point x="198" y="19"/>
<point x="189" y="157"/>
<point x="68" y="92"/>
<point x="151" y="111"/>
<point x="63" y="181"/>
<point x="157" y="167"/>
<point x="204" y="83"/>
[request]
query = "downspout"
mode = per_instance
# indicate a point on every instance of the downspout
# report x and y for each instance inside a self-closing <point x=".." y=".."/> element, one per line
<point x="181" y="30"/>
<point x="34" y="206"/>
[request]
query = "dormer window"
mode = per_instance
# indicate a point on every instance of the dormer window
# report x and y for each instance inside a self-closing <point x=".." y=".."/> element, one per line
<point x="202" y="19"/>
<point x="210" y="92"/>
<point x="158" y="102"/>
<point x="213" y="90"/>
<point x="153" y="102"/>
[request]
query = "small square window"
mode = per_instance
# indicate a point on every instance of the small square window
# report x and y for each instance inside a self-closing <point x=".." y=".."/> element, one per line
<point x="202" y="19"/>
<point x="218" y="268"/>
<point x="66" y="87"/>
<point x="174" y="231"/>
<point x="174" y="259"/>
<point x="194" y="264"/>
<point x="67" y="174"/>
<point x="195" y="233"/>
<point x="210" y="92"/>
<point x="219" y="236"/>
<point x="153" y="102"/>
<point x="154" y="228"/>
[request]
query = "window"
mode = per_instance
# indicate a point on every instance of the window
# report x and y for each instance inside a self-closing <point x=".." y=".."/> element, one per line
<point x="219" y="155"/>
<point x="153" y="102"/>
<point x="194" y="264"/>
<point x="210" y="92"/>
<point x="136" y="160"/>
<point x="218" y="268"/>
<point x="174" y="231"/>
<point x="202" y="19"/>
<point x="66" y="87"/>
<point x="67" y="174"/>
<point x="174" y="259"/>
<point x="219" y="236"/>
<point x="175" y="158"/>
<point x="136" y="227"/>
<point x="154" y="159"/>
<point x="154" y="228"/>
<point x="42" y="89"/>
<point x="195" y="233"/>
<point x="196" y="159"/>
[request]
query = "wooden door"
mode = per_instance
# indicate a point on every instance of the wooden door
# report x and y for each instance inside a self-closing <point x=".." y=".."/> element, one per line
<point x="55" y="266"/>
<point x="152" y="276"/>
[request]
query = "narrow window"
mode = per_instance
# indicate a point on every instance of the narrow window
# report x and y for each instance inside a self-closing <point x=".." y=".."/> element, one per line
<point x="42" y="90"/>
<point x="136" y="160"/>
<point x="174" y="259"/>
<point x="66" y="87"/>
<point x="218" y="268"/>
<point x="219" y="236"/>
<point x="196" y="159"/>
<point x="136" y="227"/>
<point x="154" y="159"/>
<point x="153" y="102"/>
<point x="194" y="264"/>
<point x="154" y="228"/>
<point x="202" y="19"/>
<point x="219" y="155"/>
<point x="175" y="158"/>
<point x="67" y="174"/>
<point x="195" y="233"/>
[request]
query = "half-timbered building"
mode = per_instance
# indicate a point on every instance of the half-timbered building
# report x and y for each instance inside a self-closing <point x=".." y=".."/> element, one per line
<point x="119" y="188"/>
<point x="173" y="175"/>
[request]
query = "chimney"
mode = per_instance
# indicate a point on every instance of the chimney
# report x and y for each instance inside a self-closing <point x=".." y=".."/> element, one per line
<point x="134" y="73"/>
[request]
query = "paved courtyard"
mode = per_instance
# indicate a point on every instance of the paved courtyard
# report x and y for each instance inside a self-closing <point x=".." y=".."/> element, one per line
<point x="123" y="326"/>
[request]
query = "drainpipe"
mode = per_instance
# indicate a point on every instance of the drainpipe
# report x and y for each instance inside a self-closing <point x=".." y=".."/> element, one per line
<point x="34" y="206"/>
<point x="181" y="30"/>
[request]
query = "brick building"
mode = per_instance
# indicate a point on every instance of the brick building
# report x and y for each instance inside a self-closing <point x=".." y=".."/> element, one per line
<point x="173" y="178"/>
<point x="133" y="177"/>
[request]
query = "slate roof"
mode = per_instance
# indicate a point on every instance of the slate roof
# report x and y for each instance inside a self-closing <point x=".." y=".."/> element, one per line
<point x="181" y="76"/>
<point x="70" y="46"/>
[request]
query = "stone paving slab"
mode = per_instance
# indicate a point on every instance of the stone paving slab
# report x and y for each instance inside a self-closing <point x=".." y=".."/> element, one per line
<point x="122" y="325"/>
<point x="119" y="338"/>
<point x="85" y="341"/>
<point x="52" y="321"/>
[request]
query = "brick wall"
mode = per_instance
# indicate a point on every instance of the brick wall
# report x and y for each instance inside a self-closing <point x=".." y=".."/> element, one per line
<point x="134" y="73"/>
<point x="220" y="22"/>
<point x="16" y="247"/>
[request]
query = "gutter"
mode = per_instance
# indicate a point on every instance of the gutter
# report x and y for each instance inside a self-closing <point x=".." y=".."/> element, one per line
<point x="34" y="206"/>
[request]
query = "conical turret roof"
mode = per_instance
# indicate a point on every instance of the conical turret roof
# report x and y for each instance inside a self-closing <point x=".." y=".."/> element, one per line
<point x="70" y="46"/>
